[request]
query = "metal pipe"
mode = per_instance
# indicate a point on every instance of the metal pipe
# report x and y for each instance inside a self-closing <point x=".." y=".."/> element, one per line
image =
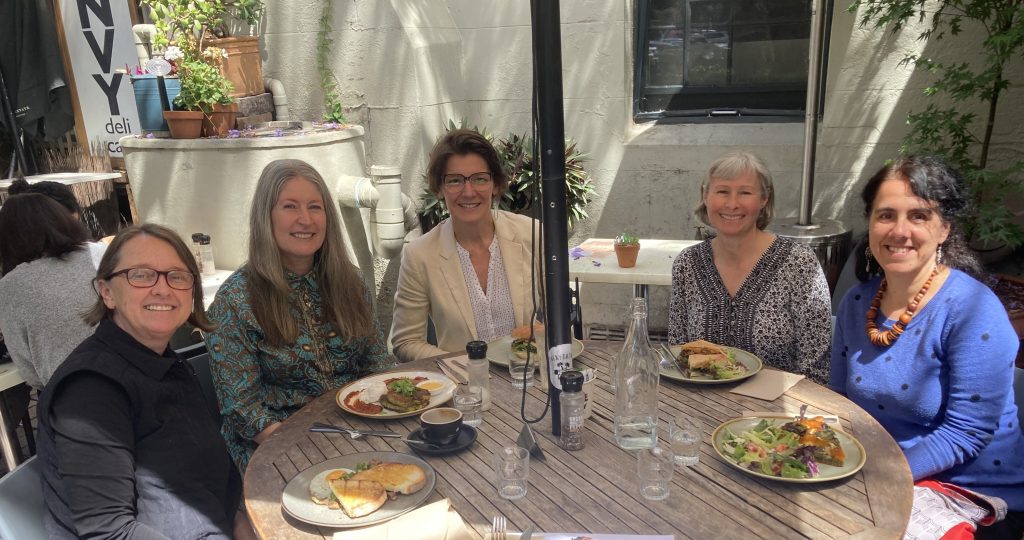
<point x="814" y="47"/>
<point x="547" y="79"/>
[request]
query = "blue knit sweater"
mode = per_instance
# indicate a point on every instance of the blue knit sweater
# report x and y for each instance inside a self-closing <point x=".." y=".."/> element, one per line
<point x="944" y="389"/>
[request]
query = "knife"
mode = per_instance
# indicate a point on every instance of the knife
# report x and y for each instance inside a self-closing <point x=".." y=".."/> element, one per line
<point x="319" y="427"/>
<point x="450" y="373"/>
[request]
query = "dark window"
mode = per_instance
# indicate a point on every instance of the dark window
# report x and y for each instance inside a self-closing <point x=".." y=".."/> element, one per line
<point x="721" y="58"/>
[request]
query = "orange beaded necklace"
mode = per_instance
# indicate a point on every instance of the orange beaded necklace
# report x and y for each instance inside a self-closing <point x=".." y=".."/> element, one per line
<point x="884" y="339"/>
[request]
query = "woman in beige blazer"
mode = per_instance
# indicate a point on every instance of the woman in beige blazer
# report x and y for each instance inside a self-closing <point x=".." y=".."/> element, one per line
<point x="470" y="274"/>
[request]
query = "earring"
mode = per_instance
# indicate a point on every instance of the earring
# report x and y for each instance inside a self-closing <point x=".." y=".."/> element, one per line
<point x="938" y="255"/>
<point x="867" y="259"/>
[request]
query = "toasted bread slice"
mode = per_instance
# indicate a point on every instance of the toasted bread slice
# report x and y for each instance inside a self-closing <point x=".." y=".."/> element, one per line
<point x="402" y="478"/>
<point x="700" y="361"/>
<point x="701" y="347"/>
<point x="320" y="487"/>
<point x="359" y="497"/>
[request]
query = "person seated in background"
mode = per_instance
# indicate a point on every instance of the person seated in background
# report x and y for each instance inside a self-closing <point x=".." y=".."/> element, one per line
<point x="127" y="445"/>
<point x="295" y="321"/>
<point x="746" y="287"/>
<point x="48" y="266"/>
<point x="470" y="274"/>
<point x="926" y="348"/>
<point x="54" y="190"/>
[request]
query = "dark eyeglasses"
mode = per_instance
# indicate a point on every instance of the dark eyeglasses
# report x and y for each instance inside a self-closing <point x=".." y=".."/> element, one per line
<point x="146" y="277"/>
<point x="455" y="182"/>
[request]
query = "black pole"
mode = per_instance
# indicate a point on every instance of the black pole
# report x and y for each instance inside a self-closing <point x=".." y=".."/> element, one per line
<point x="12" y="123"/>
<point x="547" y="80"/>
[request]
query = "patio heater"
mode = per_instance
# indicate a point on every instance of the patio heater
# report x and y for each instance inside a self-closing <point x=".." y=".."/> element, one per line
<point x="829" y="239"/>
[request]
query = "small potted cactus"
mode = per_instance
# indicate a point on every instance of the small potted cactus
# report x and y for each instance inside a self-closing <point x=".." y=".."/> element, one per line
<point x="627" y="247"/>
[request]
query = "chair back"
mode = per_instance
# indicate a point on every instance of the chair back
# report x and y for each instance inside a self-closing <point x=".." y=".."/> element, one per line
<point x="22" y="510"/>
<point x="201" y="365"/>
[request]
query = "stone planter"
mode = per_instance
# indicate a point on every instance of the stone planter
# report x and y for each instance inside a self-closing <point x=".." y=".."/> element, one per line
<point x="242" y="66"/>
<point x="626" y="254"/>
<point x="1010" y="290"/>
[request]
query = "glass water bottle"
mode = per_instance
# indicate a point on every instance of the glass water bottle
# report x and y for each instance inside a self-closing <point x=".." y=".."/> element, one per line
<point x="636" y="385"/>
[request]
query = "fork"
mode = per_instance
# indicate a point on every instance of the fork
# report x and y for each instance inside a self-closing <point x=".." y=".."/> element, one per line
<point x="498" y="528"/>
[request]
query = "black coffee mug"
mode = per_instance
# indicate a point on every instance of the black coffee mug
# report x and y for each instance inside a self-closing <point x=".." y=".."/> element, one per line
<point x="441" y="426"/>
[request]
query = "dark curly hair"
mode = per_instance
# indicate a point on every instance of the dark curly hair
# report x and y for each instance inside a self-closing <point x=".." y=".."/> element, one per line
<point x="54" y="190"/>
<point x="935" y="181"/>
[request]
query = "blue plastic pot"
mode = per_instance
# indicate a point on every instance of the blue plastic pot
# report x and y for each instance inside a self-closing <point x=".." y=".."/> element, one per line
<point x="147" y="100"/>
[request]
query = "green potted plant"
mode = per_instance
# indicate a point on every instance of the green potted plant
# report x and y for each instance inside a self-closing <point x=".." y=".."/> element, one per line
<point x="207" y="95"/>
<point x="627" y="247"/>
<point x="199" y="29"/>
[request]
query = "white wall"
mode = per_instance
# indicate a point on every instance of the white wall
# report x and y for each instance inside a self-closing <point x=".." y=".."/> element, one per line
<point x="406" y="66"/>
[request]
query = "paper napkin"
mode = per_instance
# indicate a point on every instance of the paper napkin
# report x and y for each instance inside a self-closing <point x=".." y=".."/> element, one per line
<point x="768" y="384"/>
<point x="435" y="521"/>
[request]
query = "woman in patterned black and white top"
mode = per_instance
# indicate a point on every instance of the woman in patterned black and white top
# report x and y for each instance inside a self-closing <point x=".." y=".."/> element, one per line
<point x="746" y="287"/>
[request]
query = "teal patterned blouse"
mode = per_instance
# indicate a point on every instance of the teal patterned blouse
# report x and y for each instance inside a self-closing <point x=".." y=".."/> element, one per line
<point x="257" y="384"/>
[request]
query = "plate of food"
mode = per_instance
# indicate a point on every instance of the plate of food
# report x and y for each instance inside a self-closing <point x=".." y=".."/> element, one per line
<point x="703" y="362"/>
<point x="358" y="489"/>
<point x="395" y="394"/>
<point x="519" y="342"/>
<point x="789" y="449"/>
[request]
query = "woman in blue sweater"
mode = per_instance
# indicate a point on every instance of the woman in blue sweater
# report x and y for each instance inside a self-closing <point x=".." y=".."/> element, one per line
<point x="927" y="349"/>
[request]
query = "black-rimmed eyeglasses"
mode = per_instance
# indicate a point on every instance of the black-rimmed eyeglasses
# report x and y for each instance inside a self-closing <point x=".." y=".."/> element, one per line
<point x="455" y="182"/>
<point x="146" y="277"/>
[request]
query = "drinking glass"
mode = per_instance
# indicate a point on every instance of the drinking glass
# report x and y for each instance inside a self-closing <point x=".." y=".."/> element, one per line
<point x="654" y="468"/>
<point x="512" y="468"/>
<point x="685" y="436"/>
<point x="469" y="400"/>
<point x="521" y="376"/>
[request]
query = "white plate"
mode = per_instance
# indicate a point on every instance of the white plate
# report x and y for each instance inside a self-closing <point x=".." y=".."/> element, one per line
<point x="436" y="399"/>
<point x="855" y="453"/>
<point x="296" y="502"/>
<point x="499" y="349"/>
<point x="751" y="362"/>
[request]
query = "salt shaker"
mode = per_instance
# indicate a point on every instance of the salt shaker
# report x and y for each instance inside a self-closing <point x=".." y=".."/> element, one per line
<point x="195" y="250"/>
<point x="206" y="254"/>
<point x="479" y="371"/>
<point x="572" y="408"/>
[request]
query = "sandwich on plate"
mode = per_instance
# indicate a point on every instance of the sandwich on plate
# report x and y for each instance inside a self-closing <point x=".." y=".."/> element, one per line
<point x="521" y="342"/>
<point x="703" y="358"/>
<point x="362" y="492"/>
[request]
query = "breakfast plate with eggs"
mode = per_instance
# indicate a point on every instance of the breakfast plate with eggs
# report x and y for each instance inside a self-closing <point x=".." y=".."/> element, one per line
<point x="395" y="394"/>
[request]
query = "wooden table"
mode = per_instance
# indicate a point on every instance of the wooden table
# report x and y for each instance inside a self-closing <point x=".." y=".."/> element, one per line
<point x="594" y="261"/>
<point x="595" y="489"/>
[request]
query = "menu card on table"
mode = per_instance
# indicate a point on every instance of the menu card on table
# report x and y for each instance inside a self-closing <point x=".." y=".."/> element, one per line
<point x="435" y="521"/>
<point x="589" y="536"/>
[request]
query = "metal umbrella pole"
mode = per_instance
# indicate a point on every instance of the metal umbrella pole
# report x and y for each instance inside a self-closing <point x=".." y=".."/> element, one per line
<point x="12" y="124"/>
<point x="547" y="76"/>
<point x="829" y="239"/>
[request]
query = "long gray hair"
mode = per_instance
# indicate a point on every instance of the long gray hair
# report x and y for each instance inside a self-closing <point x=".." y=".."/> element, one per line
<point x="344" y="298"/>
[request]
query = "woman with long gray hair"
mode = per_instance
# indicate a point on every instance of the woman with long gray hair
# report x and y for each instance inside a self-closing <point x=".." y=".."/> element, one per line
<point x="746" y="287"/>
<point x="295" y="321"/>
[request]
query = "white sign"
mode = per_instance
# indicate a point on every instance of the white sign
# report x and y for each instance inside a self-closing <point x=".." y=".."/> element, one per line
<point x="99" y="40"/>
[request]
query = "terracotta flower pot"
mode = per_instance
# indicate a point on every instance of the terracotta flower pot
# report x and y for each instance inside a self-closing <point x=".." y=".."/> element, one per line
<point x="626" y="254"/>
<point x="184" y="124"/>
<point x="242" y="66"/>
<point x="218" y="122"/>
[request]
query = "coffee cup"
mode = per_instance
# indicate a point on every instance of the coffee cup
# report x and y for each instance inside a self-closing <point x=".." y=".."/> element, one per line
<point x="441" y="425"/>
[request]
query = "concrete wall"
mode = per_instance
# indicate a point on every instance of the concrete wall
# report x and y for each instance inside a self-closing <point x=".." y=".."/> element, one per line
<point x="407" y="66"/>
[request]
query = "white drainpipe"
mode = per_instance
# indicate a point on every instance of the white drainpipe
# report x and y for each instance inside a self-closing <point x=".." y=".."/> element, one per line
<point x="392" y="212"/>
<point x="275" y="87"/>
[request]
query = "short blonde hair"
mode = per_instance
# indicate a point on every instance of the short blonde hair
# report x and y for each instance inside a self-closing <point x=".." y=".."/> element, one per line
<point x="730" y="166"/>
